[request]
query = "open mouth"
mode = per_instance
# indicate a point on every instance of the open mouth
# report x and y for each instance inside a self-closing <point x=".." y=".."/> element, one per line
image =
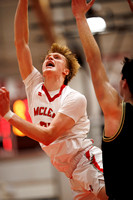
<point x="50" y="64"/>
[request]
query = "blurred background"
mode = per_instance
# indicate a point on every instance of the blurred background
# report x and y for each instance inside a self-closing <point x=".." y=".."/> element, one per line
<point x="25" y="171"/>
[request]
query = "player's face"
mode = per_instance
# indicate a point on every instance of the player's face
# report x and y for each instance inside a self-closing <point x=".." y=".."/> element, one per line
<point x="56" y="64"/>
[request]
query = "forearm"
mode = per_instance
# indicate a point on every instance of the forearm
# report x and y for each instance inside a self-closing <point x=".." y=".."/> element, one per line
<point x="21" y="22"/>
<point x="35" y="132"/>
<point x="89" y="44"/>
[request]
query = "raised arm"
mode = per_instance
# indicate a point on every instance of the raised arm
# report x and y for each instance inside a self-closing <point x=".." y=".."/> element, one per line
<point x="21" y="39"/>
<point x="107" y="96"/>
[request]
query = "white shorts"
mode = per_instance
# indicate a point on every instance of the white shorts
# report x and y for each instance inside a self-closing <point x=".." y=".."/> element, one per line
<point x="88" y="178"/>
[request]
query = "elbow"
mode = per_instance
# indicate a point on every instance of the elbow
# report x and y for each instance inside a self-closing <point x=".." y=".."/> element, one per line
<point x="90" y="60"/>
<point x="46" y="142"/>
<point x="19" y="44"/>
<point x="48" y="137"/>
<point x="90" y="57"/>
<point x="43" y="140"/>
<point x="93" y="57"/>
<point x="93" y="60"/>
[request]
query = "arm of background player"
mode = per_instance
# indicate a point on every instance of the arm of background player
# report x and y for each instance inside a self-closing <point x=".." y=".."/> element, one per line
<point x="130" y="4"/>
<point x="60" y="124"/>
<point x="21" y="39"/>
<point x="107" y="96"/>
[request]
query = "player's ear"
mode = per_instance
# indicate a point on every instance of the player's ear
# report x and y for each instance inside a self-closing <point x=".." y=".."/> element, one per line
<point x="66" y="71"/>
<point x="124" y="83"/>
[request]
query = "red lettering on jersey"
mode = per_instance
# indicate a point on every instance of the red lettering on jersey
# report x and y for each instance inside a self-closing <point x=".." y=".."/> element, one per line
<point x="39" y="94"/>
<point x="49" y="112"/>
<point x="44" y="111"/>
<point x="53" y="115"/>
<point x="40" y="110"/>
<point x="36" y="111"/>
<point x="44" y="124"/>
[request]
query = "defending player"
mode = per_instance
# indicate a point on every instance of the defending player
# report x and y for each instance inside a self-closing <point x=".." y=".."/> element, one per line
<point x="60" y="122"/>
<point x="118" y="133"/>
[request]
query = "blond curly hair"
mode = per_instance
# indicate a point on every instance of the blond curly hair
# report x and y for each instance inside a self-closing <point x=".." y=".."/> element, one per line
<point x="71" y="59"/>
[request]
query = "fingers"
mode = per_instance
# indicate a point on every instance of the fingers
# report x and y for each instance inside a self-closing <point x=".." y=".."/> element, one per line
<point x="4" y="101"/>
<point x="80" y="7"/>
<point x="90" y="4"/>
<point x="3" y="89"/>
<point x="78" y="2"/>
<point x="4" y="93"/>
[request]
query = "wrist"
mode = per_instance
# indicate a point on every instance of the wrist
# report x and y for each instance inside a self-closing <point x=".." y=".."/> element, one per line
<point x="80" y="17"/>
<point x="8" y="115"/>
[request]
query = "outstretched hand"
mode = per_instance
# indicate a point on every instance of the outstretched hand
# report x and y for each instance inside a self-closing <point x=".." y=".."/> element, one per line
<point x="4" y="101"/>
<point x="80" y="7"/>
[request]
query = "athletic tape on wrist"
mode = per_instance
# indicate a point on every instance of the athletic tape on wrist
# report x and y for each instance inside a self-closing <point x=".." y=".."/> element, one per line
<point x="8" y="115"/>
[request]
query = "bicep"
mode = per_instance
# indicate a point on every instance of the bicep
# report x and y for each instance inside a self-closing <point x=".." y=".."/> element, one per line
<point x="24" y="59"/>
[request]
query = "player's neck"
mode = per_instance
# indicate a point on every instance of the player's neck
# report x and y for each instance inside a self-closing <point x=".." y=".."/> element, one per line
<point x="128" y="98"/>
<point x="52" y="85"/>
<point x="130" y="101"/>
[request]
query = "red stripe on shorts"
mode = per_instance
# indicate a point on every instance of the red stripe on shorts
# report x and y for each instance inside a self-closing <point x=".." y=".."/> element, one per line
<point x="94" y="162"/>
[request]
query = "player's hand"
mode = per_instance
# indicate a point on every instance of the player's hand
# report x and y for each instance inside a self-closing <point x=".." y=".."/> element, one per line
<point x="4" y="101"/>
<point x="80" y="7"/>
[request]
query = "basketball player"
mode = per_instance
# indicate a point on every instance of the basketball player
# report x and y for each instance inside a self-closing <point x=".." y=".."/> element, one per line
<point x="58" y="113"/>
<point x="118" y="131"/>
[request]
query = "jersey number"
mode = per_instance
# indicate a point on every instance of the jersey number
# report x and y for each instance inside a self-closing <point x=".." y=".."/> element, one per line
<point x="44" y="124"/>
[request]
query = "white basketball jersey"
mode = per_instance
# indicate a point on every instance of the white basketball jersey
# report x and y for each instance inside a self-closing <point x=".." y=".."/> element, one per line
<point x="65" y="151"/>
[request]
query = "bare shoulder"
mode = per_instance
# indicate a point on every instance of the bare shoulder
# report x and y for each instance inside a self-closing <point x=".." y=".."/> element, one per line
<point x="113" y="120"/>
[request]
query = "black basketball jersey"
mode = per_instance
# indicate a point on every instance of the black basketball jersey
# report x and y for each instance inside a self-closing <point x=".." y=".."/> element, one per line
<point x="117" y="158"/>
